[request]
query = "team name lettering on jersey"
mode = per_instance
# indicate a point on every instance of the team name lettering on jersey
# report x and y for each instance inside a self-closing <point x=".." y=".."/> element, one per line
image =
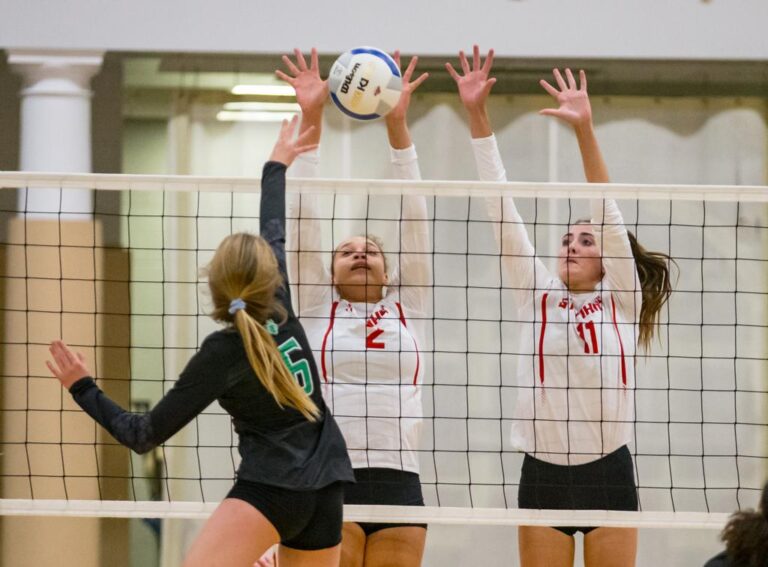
<point x="589" y="308"/>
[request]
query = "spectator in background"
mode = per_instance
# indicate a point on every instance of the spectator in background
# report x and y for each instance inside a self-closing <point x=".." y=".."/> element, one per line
<point x="746" y="538"/>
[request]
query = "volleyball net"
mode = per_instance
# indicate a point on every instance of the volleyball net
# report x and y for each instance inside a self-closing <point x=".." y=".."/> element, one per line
<point x="122" y="285"/>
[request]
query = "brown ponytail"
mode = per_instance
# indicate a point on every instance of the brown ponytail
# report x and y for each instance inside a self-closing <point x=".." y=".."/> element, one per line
<point x="244" y="267"/>
<point x="653" y="270"/>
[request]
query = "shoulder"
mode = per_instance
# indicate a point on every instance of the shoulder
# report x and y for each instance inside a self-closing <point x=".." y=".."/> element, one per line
<point x="221" y="344"/>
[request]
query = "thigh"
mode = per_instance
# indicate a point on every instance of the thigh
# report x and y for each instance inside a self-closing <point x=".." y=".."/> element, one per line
<point x="235" y="535"/>
<point x="402" y="546"/>
<point x="545" y="547"/>
<point x="289" y="557"/>
<point x="352" y="545"/>
<point x="610" y="547"/>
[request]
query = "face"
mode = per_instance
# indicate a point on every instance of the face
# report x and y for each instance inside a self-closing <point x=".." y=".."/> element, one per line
<point x="358" y="269"/>
<point x="580" y="264"/>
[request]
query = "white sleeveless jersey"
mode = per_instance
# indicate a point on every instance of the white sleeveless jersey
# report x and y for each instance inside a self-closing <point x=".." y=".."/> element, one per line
<point x="368" y="354"/>
<point x="576" y="368"/>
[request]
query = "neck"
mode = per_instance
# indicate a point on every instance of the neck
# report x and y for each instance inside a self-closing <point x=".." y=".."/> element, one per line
<point x="360" y="293"/>
<point x="581" y="287"/>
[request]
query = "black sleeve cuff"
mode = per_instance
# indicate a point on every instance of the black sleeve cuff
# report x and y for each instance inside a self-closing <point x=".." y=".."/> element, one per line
<point x="272" y="166"/>
<point x="81" y="385"/>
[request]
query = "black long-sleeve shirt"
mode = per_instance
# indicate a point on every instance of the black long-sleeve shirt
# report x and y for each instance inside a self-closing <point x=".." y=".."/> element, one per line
<point x="278" y="446"/>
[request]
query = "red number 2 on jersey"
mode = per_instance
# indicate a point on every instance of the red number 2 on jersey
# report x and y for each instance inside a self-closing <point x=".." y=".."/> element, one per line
<point x="590" y="326"/>
<point x="370" y="339"/>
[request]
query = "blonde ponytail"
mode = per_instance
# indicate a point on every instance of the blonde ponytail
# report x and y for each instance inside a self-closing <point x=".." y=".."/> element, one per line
<point x="269" y="366"/>
<point x="244" y="268"/>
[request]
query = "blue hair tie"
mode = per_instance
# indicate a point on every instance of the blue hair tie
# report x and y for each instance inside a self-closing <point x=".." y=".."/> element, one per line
<point x="236" y="305"/>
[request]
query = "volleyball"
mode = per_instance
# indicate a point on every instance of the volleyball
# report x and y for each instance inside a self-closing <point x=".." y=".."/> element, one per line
<point x="365" y="83"/>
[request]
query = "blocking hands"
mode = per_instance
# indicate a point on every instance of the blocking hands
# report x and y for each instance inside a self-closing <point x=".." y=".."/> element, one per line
<point x="573" y="100"/>
<point x="68" y="366"/>
<point x="287" y="147"/>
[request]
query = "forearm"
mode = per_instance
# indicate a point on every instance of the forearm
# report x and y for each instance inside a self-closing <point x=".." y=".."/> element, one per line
<point x="479" y="123"/>
<point x="595" y="169"/>
<point x="309" y="118"/>
<point x="272" y="212"/>
<point x="272" y="195"/>
<point x="132" y="430"/>
<point x="398" y="133"/>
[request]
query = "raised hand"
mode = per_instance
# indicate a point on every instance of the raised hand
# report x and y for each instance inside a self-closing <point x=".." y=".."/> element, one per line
<point x="311" y="90"/>
<point x="400" y="111"/>
<point x="68" y="366"/>
<point x="287" y="147"/>
<point x="475" y="84"/>
<point x="575" y="110"/>
<point x="573" y="100"/>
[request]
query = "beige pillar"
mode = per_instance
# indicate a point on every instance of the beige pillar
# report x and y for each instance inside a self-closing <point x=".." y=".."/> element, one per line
<point x="57" y="281"/>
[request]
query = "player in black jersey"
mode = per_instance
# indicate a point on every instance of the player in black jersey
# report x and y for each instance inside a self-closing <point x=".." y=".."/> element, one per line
<point x="260" y="369"/>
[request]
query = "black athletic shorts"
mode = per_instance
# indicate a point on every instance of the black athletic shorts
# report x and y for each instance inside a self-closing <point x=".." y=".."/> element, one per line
<point x="305" y="520"/>
<point x="605" y="484"/>
<point x="387" y="487"/>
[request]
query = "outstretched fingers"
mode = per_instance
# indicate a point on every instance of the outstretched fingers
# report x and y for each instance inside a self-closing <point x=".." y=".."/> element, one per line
<point x="452" y="72"/>
<point x="305" y="148"/>
<point x="409" y="69"/>
<point x="475" y="57"/>
<point x="488" y="62"/>
<point x="396" y="57"/>
<point x="420" y="79"/>
<point x="301" y="140"/>
<point x="300" y="61"/>
<point x="288" y="127"/>
<point x="61" y="354"/>
<point x="559" y="80"/>
<point x="408" y="74"/>
<point x="464" y="63"/>
<point x="293" y="69"/>
<point x="571" y="80"/>
<point x="54" y="370"/>
<point x="549" y="88"/>
<point x="283" y="77"/>
<point x="314" y="60"/>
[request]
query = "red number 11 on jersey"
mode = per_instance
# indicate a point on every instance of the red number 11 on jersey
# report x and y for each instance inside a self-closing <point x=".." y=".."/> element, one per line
<point x="590" y="326"/>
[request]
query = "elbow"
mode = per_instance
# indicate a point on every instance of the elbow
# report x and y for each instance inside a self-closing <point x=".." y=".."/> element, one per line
<point x="143" y="448"/>
<point x="135" y="432"/>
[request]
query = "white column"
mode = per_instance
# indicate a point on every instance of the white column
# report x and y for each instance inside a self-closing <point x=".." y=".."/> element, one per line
<point x="56" y="123"/>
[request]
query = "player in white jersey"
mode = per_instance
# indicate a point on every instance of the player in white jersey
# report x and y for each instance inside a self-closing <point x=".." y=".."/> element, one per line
<point x="575" y="407"/>
<point x="363" y="318"/>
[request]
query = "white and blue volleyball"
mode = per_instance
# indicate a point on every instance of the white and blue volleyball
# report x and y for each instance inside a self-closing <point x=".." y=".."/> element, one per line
<point x="365" y="83"/>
